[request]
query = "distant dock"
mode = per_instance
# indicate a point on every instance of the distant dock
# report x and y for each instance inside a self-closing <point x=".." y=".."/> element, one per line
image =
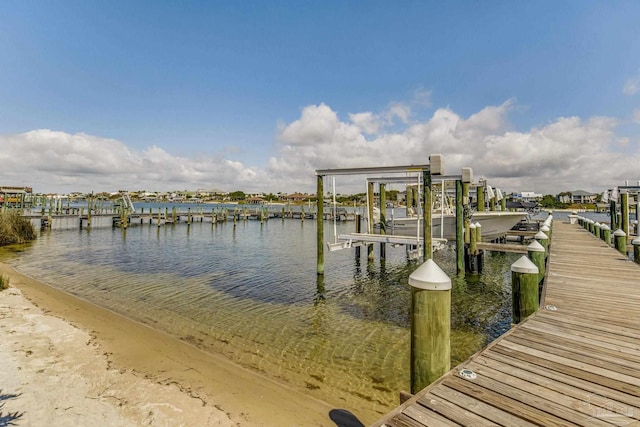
<point x="576" y="361"/>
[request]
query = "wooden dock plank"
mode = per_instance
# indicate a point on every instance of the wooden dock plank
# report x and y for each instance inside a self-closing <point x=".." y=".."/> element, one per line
<point x="576" y="365"/>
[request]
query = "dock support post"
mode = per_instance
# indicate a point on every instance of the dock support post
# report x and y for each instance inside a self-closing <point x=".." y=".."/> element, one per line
<point x="370" y="213"/>
<point x="459" y="228"/>
<point x="605" y="233"/>
<point x="613" y="214"/>
<point x="524" y="289"/>
<point x="597" y="229"/>
<point x="543" y="239"/>
<point x="636" y="249"/>
<point x="430" y="324"/>
<point x="480" y="196"/>
<point x="320" y="224"/>
<point x="624" y="212"/>
<point x="427" y="246"/>
<point x="383" y="219"/>
<point x="358" y="227"/>
<point x="188" y="216"/>
<point x="620" y="238"/>
<point x="537" y="255"/>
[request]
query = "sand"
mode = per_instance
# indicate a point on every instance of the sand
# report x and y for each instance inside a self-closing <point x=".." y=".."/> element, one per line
<point x="66" y="361"/>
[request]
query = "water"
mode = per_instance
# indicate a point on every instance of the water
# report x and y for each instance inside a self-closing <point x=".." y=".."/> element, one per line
<point x="251" y="293"/>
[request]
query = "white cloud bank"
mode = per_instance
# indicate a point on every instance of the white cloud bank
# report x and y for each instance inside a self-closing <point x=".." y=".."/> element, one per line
<point x="567" y="154"/>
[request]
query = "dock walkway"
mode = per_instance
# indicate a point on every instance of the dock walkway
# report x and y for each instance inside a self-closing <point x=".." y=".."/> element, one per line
<point x="576" y="365"/>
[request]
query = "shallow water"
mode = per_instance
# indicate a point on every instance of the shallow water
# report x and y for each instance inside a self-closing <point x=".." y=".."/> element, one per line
<point x="252" y="294"/>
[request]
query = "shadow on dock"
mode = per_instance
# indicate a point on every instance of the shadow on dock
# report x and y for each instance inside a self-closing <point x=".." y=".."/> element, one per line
<point x="344" y="418"/>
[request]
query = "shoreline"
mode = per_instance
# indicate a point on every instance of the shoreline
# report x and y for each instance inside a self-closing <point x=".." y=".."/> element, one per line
<point x="242" y="396"/>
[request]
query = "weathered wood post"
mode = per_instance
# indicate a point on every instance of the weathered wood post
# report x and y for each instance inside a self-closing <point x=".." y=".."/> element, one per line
<point x="436" y="167"/>
<point x="358" y="228"/>
<point x="383" y="218"/>
<point x="430" y="324"/>
<point x="596" y="229"/>
<point x="636" y="249"/>
<point x="319" y="224"/>
<point x="613" y="214"/>
<point x="620" y="238"/>
<point x="480" y="197"/>
<point x="370" y="201"/>
<point x="524" y="289"/>
<point x="605" y="233"/>
<point x="150" y="216"/>
<point x="543" y="239"/>
<point x="624" y="212"/>
<point x="503" y="204"/>
<point x="537" y="255"/>
<point x="546" y="229"/>
<point x="459" y="228"/>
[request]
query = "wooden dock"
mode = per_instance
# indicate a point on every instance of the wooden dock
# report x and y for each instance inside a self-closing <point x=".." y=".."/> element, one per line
<point x="574" y="362"/>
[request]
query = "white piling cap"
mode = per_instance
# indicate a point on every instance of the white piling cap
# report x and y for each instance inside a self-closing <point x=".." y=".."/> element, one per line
<point x="604" y="227"/>
<point x="540" y="236"/>
<point x="636" y="241"/>
<point x="535" y="246"/>
<point x="545" y="228"/>
<point x="430" y="277"/>
<point x="619" y="233"/>
<point x="478" y="225"/>
<point x="524" y="265"/>
<point x="597" y="225"/>
<point x="472" y="225"/>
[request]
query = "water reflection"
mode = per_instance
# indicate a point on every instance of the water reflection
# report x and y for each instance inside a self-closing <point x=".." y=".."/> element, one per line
<point x="251" y="293"/>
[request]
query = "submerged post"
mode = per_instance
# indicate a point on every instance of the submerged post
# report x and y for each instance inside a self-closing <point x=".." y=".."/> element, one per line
<point x="430" y="324"/>
<point x="524" y="289"/>
<point x="320" y="224"/>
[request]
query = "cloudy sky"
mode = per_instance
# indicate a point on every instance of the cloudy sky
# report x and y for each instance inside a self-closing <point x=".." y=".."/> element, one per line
<point x="98" y="96"/>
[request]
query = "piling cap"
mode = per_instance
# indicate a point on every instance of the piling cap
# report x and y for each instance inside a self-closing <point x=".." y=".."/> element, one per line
<point x="535" y="246"/>
<point x="478" y="225"/>
<point x="545" y="228"/>
<point x="540" y="236"/>
<point x="636" y="241"/>
<point x="619" y="233"/>
<point x="430" y="277"/>
<point x="524" y="265"/>
<point x="472" y="225"/>
<point x="597" y="225"/>
<point x="604" y="227"/>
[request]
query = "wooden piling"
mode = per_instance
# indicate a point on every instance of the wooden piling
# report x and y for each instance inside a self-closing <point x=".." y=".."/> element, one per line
<point x="459" y="227"/>
<point x="320" y="224"/>
<point x="427" y="250"/>
<point x="543" y="239"/>
<point x="636" y="249"/>
<point x="358" y="228"/>
<point x="524" y="289"/>
<point x="605" y="233"/>
<point x="613" y="215"/>
<point x="480" y="197"/>
<point x="430" y="324"/>
<point x="620" y="239"/>
<point x="370" y="201"/>
<point x="624" y="212"/>
<point x="537" y="255"/>
<point x="383" y="218"/>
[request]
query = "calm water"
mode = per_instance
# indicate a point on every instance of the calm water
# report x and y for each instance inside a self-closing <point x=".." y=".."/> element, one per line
<point x="252" y="294"/>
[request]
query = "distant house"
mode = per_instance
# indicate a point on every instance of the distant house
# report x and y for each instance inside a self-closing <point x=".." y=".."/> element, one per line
<point x="255" y="200"/>
<point x="14" y="196"/>
<point x="582" y="197"/>
<point x="298" y="197"/>
<point x="527" y="196"/>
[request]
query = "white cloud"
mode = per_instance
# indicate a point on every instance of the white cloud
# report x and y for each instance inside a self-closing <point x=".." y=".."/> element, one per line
<point x="567" y="153"/>
<point x="632" y="86"/>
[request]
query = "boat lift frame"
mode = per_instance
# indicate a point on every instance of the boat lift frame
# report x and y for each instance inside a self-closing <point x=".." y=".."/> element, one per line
<point x="435" y="169"/>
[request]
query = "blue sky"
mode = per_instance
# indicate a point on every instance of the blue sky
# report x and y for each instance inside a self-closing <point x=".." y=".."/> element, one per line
<point x="216" y="92"/>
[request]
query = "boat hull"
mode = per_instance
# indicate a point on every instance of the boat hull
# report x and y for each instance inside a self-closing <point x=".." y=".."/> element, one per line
<point x="494" y="225"/>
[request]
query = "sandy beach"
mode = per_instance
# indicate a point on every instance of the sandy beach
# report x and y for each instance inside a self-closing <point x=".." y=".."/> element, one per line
<point x="69" y="362"/>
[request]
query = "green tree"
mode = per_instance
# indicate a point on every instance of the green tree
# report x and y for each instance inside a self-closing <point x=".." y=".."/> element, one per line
<point x="237" y="195"/>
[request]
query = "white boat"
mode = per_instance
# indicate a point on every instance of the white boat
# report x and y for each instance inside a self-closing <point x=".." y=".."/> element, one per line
<point x="494" y="224"/>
